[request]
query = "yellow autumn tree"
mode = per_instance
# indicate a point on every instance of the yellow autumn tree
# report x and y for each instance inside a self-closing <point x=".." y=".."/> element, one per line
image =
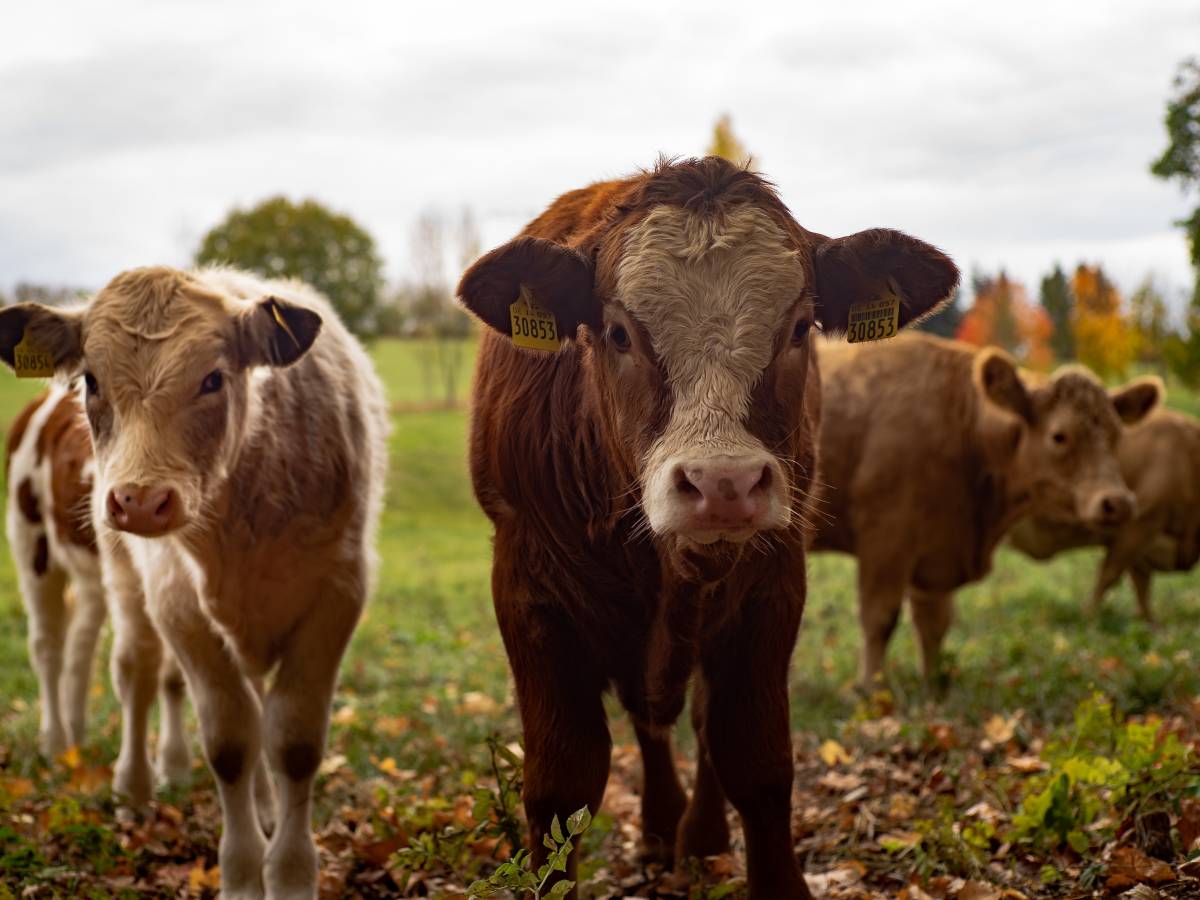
<point x="726" y="145"/>
<point x="1105" y="340"/>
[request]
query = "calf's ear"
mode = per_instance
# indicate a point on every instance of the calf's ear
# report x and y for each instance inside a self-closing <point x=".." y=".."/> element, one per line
<point x="997" y="378"/>
<point x="53" y="336"/>
<point x="556" y="278"/>
<point x="1134" y="401"/>
<point x="275" y="332"/>
<point x="875" y="264"/>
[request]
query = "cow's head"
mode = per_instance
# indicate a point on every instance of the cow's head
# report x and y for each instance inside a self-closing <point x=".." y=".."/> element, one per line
<point x="1059" y="439"/>
<point x="694" y="303"/>
<point x="165" y="365"/>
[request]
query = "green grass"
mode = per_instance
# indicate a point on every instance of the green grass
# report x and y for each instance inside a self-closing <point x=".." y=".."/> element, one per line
<point x="426" y="679"/>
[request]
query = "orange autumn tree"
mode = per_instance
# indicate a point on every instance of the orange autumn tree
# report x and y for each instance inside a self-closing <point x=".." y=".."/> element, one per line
<point x="1105" y="341"/>
<point x="1002" y="316"/>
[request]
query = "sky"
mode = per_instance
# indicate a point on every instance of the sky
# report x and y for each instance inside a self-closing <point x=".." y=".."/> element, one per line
<point x="1011" y="135"/>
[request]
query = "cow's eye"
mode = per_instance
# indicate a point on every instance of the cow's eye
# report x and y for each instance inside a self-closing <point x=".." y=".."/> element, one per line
<point x="212" y="382"/>
<point x="620" y="338"/>
<point x="800" y="331"/>
<point x="90" y="385"/>
<point x="1059" y="437"/>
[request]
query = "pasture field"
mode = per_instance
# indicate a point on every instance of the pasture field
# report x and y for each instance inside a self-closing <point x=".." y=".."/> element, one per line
<point x="1019" y="778"/>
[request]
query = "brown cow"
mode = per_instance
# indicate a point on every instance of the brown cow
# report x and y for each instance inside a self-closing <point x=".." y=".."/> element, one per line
<point x="648" y="478"/>
<point x="1160" y="461"/>
<point x="239" y="437"/>
<point x="931" y="451"/>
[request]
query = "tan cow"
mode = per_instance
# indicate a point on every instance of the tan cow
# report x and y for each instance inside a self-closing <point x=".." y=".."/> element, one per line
<point x="1160" y="461"/>
<point x="930" y="451"/>
<point x="239" y="438"/>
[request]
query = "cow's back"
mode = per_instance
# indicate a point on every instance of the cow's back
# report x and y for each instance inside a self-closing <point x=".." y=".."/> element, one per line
<point x="1160" y="460"/>
<point x="895" y="438"/>
<point x="49" y="468"/>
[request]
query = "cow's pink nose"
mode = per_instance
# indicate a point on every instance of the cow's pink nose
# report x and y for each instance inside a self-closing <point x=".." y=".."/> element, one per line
<point x="142" y="510"/>
<point x="724" y="492"/>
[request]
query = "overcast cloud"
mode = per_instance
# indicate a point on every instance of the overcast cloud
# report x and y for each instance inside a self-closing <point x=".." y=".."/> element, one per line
<point x="1014" y="135"/>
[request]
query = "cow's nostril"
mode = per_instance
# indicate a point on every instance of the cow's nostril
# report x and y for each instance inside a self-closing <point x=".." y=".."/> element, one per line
<point x="685" y="481"/>
<point x="764" y="480"/>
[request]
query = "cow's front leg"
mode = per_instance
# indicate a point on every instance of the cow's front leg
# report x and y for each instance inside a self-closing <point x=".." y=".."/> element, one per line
<point x="663" y="799"/>
<point x="83" y="632"/>
<point x="704" y="830"/>
<point x="567" y="745"/>
<point x="1140" y="576"/>
<point x="880" y="597"/>
<point x="933" y="613"/>
<point x="748" y="739"/>
<point x="230" y="717"/>
<point x="134" y="664"/>
<point x="174" y="758"/>
<point x="296" y="720"/>
<point x="43" y="595"/>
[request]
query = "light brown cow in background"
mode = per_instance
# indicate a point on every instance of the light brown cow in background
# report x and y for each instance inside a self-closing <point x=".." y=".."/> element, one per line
<point x="1160" y="461"/>
<point x="930" y="451"/>
<point x="239" y="433"/>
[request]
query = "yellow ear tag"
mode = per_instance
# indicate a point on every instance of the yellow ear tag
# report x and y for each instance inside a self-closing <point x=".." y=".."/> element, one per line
<point x="532" y="327"/>
<point x="874" y="320"/>
<point x="30" y="360"/>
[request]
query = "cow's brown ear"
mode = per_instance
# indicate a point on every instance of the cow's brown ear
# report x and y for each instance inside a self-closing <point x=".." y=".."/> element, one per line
<point x="874" y="265"/>
<point x="1137" y="399"/>
<point x="997" y="378"/>
<point x="52" y="335"/>
<point x="275" y="332"/>
<point x="557" y="279"/>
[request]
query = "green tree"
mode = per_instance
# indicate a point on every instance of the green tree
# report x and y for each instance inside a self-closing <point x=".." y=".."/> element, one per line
<point x="1148" y="313"/>
<point x="726" y="145"/>
<point x="1180" y="162"/>
<point x="331" y="252"/>
<point x="1059" y="304"/>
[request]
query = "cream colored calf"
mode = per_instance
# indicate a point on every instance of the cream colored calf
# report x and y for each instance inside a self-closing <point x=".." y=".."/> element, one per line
<point x="239" y="433"/>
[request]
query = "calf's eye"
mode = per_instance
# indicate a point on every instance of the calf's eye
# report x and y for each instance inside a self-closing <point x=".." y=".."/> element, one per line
<point x="800" y="331"/>
<point x="1059" y="438"/>
<point x="90" y="385"/>
<point x="212" y="383"/>
<point x="620" y="338"/>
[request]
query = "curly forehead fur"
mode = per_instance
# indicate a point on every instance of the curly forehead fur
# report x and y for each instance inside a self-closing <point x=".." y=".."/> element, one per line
<point x="1078" y="389"/>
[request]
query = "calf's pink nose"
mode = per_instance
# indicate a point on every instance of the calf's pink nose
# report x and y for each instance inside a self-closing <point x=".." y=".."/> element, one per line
<point x="142" y="510"/>
<point x="724" y="492"/>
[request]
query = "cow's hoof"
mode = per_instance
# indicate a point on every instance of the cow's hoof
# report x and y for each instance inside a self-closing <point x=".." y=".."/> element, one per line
<point x="655" y="851"/>
<point x="133" y="782"/>
<point x="174" y="771"/>
<point x="52" y="742"/>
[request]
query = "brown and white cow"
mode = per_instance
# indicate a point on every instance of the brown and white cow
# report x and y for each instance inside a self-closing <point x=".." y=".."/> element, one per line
<point x="239" y="442"/>
<point x="1160" y="461"/>
<point x="50" y="472"/>
<point x="648" y="481"/>
<point x="931" y="450"/>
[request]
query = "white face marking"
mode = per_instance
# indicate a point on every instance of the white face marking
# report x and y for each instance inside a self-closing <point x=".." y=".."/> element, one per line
<point x="713" y="293"/>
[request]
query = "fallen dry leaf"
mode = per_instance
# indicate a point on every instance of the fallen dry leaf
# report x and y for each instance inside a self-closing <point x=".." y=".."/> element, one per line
<point x="832" y="753"/>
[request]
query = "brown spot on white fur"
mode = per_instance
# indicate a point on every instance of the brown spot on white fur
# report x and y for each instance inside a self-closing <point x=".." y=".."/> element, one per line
<point x="27" y="502"/>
